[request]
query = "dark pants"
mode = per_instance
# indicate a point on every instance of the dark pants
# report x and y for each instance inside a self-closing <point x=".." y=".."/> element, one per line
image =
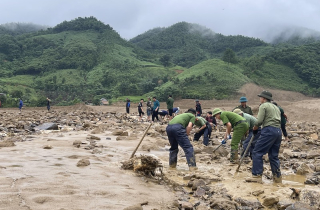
<point x="155" y="115"/>
<point x="128" y="109"/>
<point x="268" y="142"/>
<point x="284" y="131"/>
<point x="170" y="112"/>
<point x="177" y="136"/>
<point x="206" y="134"/>
<point x="247" y="140"/>
<point x="48" y="107"/>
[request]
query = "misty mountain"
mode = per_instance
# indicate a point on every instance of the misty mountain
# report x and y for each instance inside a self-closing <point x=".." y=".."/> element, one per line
<point x="20" y="28"/>
<point x="188" y="44"/>
<point x="292" y="35"/>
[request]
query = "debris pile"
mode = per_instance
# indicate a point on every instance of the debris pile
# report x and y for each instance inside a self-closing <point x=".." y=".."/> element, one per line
<point x="145" y="164"/>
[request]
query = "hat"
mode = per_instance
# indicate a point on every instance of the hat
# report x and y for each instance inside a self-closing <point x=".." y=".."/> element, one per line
<point x="238" y="111"/>
<point x="243" y="99"/>
<point x="216" y="111"/>
<point x="265" y="94"/>
<point x="197" y="100"/>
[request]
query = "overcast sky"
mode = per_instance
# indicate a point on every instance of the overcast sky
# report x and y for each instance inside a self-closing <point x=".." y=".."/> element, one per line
<point x="255" y="18"/>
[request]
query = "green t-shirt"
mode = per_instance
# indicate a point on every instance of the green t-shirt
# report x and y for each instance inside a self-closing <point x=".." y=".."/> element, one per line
<point x="170" y="103"/>
<point x="231" y="117"/>
<point x="183" y="119"/>
<point x="251" y="120"/>
<point x="269" y="115"/>
<point x="200" y="121"/>
<point x="246" y="109"/>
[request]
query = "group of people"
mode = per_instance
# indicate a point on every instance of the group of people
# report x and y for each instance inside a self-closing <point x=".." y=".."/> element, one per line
<point x="265" y="131"/>
<point x="21" y="104"/>
<point x="153" y="109"/>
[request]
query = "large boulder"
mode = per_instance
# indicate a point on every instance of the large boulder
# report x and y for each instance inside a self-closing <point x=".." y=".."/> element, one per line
<point x="46" y="126"/>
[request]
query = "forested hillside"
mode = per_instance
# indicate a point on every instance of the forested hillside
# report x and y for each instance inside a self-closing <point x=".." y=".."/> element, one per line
<point x="82" y="59"/>
<point x="188" y="44"/>
<point x="85" y="60"/>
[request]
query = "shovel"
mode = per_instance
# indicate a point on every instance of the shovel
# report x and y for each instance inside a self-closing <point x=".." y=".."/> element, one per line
<point x="245" y="152"/>
<point x="218" y="147"/>
<point x="134" y="152"/>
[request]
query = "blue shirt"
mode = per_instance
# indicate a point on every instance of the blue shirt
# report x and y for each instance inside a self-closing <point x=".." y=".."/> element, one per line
<point x="156" y="104"/>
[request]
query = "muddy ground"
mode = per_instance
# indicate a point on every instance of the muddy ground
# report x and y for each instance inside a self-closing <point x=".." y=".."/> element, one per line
<point x="78" y="166"/>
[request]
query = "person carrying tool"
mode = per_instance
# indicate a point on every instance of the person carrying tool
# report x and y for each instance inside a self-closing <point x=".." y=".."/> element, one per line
<point x="251" y="120"/>
<point x="198" y="108"/>
<point x="269" y="141"/>
<point x="20" y="104"/>
<point x="48" y="104"/>
<point x="284" y="120"/>
<point x="178" y="130"/>
<point x="240" y="128"/>
<point x="170" y="106"/>
<point x="243" y="106"/>
<point x="205" y="129"/>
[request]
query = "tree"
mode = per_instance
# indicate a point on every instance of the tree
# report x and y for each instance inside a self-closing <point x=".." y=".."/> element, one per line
<point x="229" y="56"/>
<point x="165" y="60"/>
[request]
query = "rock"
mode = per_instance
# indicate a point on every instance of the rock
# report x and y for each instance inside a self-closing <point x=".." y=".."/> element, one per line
<point x="300" y="206"/>
<point x="198" y="183"/>
<point x="202" y="207"/>
<point x="303" y="169"/>
<point x="283" y="206"/>
<point x="7" y="144"/>
<point x="83" y="162"/>
<point x="77" y="143"/>
<point x="125" y="133"/>
<point x="222" y="152"/>
<point x="222" y="203"/>
<point x="135" y="207"/>
<point x="250" y="204"/>
<point x="46" y="126"/>
<point x="117" y="132"/>
<point x="317" y="168"/>
<point x="93" y="137"/>
<point x="310" y="197"/>
<point x="199" y="192"/>
<point x="269" y="201"/>
<point x="257" y="192"/>
<point x="108" y="138"/>
<point x="186" y="205"/>
<point x="313" y="154"/>
<point x="47" y="147"/>
<point x="121" y="138"/>
<point x="314" y="136"/>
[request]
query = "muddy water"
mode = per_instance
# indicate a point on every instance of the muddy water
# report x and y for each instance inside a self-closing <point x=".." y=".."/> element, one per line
<point x="37" y="178"/>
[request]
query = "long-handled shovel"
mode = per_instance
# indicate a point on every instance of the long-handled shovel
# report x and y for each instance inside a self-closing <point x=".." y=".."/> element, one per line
<point x="245" y="152"/>
<point x="218" y="147"/>
<point x="134" y="152"/>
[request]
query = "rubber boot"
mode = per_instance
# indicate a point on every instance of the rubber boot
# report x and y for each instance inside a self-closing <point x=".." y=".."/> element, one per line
<point x="277" y="179"/>
<point x="255" y="179"/>
<point x="173" y="158"/>
<point x="234" y="158"/>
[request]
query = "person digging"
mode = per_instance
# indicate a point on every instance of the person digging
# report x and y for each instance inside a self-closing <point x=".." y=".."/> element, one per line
<point x="178" y="130"/>
<point x="269" y="141"/>
<point x="251" y="120"/>
<point x="205" y="129"/>
<point x="240" y="128"/>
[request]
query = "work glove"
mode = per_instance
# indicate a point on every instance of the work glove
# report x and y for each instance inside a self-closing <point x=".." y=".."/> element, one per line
<point x="224" y="141"/>
<point x="255" y="132"/>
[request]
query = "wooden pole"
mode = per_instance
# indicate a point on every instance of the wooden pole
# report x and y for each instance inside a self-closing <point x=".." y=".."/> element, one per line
<point x="134" y="152"/>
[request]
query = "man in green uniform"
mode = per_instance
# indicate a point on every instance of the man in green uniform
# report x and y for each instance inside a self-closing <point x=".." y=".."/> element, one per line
<point x="170" y="106"/>
<point x="243" y="106"/>
<point x="240" y="128"/>
<point x="178" y="130"/>
<point x="251" y="120"/>
<point x="205" y="129"/>
<point x="269" y="141"/>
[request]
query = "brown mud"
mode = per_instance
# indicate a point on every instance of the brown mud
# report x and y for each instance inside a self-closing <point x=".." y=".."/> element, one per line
<point x="78" y="166"/>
